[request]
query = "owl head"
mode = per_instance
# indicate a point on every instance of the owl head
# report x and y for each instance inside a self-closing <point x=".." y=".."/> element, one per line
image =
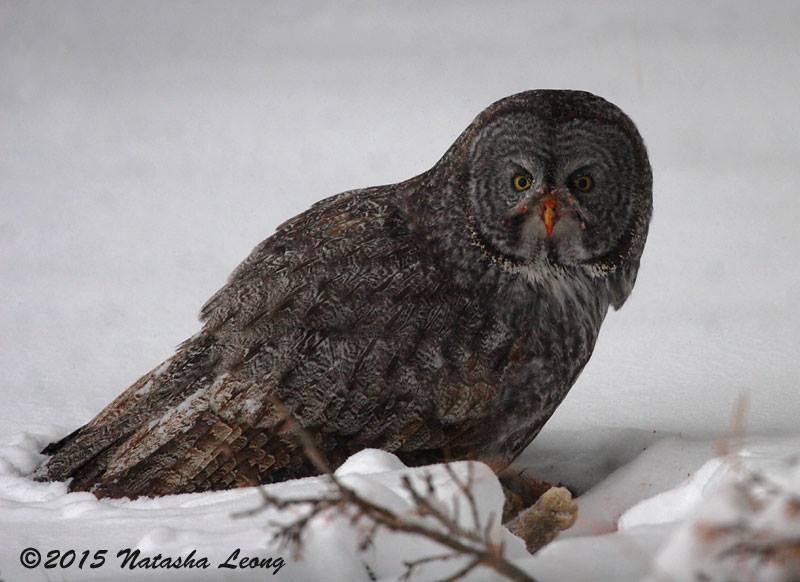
<point x="556" y="179"/>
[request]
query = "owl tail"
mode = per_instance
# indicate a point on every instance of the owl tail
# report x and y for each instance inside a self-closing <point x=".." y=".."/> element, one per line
<point x="84" y="455"/>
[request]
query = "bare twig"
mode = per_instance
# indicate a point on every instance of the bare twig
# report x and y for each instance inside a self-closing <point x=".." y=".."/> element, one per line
<point x="475" y="543"/>
<point x="466" y="489"/>
<point x="474" y="563"/>
<point x="410" y="565"/>
<point x="732" y="442"/>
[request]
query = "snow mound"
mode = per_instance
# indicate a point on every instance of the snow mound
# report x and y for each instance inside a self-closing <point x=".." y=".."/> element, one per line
<point x="745" y="526"/>
<point x="222" y="526"/>
<point x="370" y="461"/>
<point x="675" y="511"/>
<point x="679" y="511"/>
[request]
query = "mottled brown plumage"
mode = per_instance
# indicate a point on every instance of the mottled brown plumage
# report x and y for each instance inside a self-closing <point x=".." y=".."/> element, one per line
<point x="434" y="318"/>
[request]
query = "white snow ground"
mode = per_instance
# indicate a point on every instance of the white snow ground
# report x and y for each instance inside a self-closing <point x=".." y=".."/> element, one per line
<point x="145" y="148"/>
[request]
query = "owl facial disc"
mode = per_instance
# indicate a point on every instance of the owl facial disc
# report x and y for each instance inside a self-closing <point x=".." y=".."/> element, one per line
<point x="548" y="188"/>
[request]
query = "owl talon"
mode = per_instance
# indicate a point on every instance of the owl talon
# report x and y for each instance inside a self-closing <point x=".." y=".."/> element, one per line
<point x="521" y="492"/>
<point x="554" y="512"/>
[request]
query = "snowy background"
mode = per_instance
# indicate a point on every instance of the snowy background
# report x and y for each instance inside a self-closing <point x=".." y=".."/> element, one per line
<point x="145" y="148"/>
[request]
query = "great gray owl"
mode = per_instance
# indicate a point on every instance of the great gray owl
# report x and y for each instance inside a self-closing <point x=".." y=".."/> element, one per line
<point x="441" y="318"/>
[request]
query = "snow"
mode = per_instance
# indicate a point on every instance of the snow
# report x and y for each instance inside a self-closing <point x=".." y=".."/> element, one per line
<point x="369" y="461"/>
<point x="756" y="503"/>
<point x="145" y="149"/>
<point x="641" y="521"/>
<point x="44" y="516"/>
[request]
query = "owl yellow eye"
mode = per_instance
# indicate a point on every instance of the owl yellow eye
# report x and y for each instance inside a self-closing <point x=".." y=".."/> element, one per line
<point x="521" y="183"/>
<point x="583" y="183"/>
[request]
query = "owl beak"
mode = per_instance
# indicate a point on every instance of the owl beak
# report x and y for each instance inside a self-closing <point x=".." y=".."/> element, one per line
<point x="549" y="216"/>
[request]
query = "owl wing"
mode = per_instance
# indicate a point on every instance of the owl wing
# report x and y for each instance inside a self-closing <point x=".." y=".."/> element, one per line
<point x="341" y="318"/>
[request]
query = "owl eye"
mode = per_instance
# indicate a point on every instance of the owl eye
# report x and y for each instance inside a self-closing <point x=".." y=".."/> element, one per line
<point x="583" y="183"/>
<point x="521" y="182"/>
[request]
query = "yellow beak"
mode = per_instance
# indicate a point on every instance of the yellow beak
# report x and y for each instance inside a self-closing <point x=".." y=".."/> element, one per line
<point x="549" y="214"/>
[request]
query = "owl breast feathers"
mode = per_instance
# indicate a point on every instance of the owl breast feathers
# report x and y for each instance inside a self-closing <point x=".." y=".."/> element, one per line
<point x="441" y="318"/>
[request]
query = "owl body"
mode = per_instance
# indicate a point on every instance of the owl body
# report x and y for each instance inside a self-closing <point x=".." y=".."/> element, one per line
<point x="415" y="317"/>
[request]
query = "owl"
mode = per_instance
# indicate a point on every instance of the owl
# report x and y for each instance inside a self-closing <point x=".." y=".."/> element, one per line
<point x="441" y="318"/>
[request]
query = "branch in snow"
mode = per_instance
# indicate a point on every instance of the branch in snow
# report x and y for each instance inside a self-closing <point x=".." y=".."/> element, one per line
<point x="474" y="542"/>
<point x="748" y="526"/>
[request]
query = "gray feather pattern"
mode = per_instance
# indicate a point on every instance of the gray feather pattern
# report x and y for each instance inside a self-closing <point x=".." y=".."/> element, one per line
<point x="402" y="317"/>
